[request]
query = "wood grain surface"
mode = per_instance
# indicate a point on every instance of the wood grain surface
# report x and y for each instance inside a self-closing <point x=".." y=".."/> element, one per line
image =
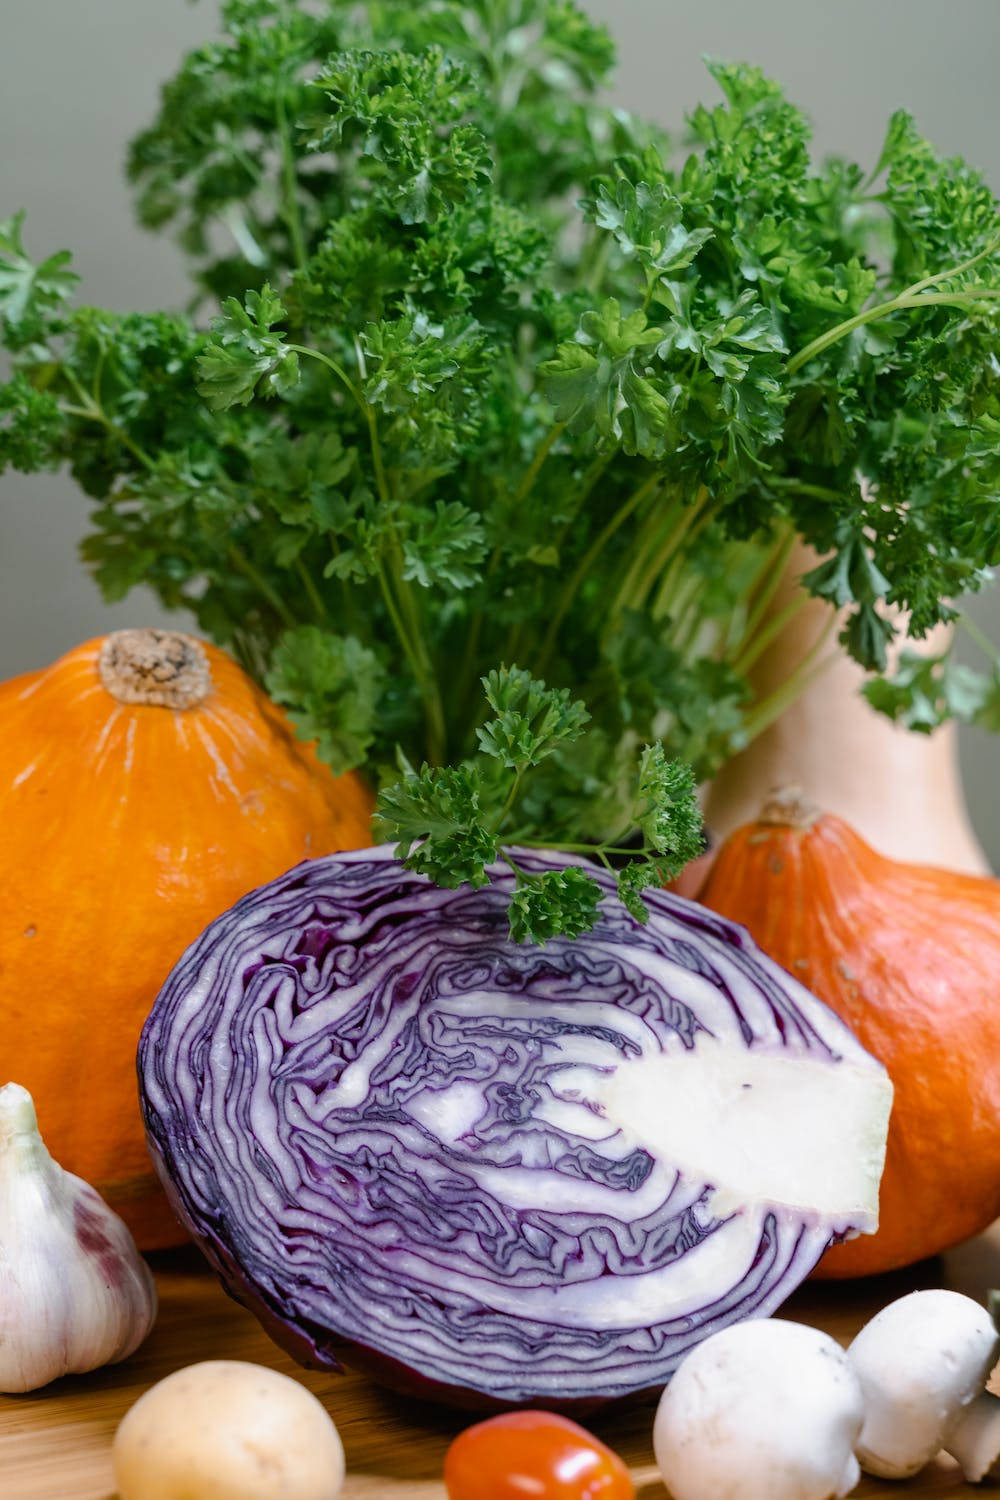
<point x="55" y="1444"/>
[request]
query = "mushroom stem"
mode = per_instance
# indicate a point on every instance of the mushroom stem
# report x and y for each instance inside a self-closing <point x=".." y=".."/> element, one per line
<point x="975" y="1439"/>
<point x="850" y="1477"/>
<point x="923" y="1363"/>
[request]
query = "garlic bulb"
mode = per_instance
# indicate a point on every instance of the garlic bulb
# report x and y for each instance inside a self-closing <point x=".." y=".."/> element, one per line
<point x="74" y="1291"/>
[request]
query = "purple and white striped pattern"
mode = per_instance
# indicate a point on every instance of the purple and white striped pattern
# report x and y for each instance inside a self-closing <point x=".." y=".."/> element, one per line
<point x="352" y="1084"/>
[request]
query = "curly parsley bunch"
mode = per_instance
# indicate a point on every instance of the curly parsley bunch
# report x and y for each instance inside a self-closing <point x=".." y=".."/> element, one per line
<point x="478" y="372"/>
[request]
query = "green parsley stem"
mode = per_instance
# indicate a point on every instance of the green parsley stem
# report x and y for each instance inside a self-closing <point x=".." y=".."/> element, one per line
<point x="337" y="369"/>
<point x="675" y="565"/>
<point x="590" y="478"/>
<point x="537" y="463"/>
<point x="246" y="161"/>
<point x="243" y="565"/>
<point x="411" y="639"/>
<point x="475" y="628"/>
<point x="657" y="531"/>
<point x="587" y="561"/>
<point x="91" y="410"/>
<point x="954" y="299"/>
<point x="799" y="487"/>
<point x="588" y="482"/>
<point x="754" y="644"/>
<point x="598" y="850"/>
<point x="426" y="676"/>
<point x="598" y="258"/>
<point x="966" y="265"/>
<point x="91" y="414"/>
<point x="397" y="620"/>
<point x="363" y="406"/>
<point x="348" y="598"/>
<point x="289" y="182"/>
<point x="381" y="482"/>
<point x="883" y="310"/>
<point x="764" y="713"/>
<point x="980" y="637"/>
<point x="510" y="799"/>
<point x="688" y="621"/>
<point x="95" y="384"/>
<point x="761" y="594"/>
<point x="319" y="608"/>
<point x="670" y="559"/>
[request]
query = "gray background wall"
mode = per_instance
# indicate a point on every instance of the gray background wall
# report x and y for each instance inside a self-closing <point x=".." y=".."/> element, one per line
<point x="77" y="79"/>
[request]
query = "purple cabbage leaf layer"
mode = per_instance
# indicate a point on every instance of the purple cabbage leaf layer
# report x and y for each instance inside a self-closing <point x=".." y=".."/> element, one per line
<point x="500" y="1174"/>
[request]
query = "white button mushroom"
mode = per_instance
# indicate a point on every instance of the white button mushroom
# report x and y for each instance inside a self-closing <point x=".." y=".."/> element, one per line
<point x="975" y="1440"/>
<point x="763" y="1410"/>
<point x="229" y="1430"/>
<point x="922" y="1362"/>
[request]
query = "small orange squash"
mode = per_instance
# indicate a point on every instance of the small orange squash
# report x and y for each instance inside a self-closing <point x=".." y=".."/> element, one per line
<point x="909" y="956"/>
<point x="145" y="785"/>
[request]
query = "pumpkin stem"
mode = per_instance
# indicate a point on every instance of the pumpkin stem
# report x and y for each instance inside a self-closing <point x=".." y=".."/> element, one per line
<point x="789" y="807"/>
<point x="162" y="668"/>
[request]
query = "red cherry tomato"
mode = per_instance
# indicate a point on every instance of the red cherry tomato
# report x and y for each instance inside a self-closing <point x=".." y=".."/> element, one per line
<point x="533" y="1455"/>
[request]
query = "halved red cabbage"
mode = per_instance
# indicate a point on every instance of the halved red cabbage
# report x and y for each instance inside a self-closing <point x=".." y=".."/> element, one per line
<point x="499" y="1173"/>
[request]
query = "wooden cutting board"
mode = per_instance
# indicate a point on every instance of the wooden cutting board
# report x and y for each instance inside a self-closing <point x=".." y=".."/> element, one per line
<point x="55" y="1444"/>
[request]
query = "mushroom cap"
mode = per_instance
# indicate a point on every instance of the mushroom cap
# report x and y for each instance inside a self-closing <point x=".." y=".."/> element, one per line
<point x="763" y="1410"/>
<point x="920" y="1361"/>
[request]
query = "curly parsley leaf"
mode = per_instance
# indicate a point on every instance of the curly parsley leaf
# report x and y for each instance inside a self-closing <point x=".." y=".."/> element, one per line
<point x="450" y="823"/>
<point x="646" y="221"/>
<point x="531" y="720"/>
<point x="31" y="427"/>
<point x="30" y="292"/>
<point x="602" y="381"/>
<point x="408" y="114"/>
<point x="925" y="691"/>
<point x="245" y="355"/>
<point x="444" y="547"/>
<point x="330" y="685"/>
<point x="668" y="815"/>
<point x="553" y="903"/>
<point x="437" y="817"/>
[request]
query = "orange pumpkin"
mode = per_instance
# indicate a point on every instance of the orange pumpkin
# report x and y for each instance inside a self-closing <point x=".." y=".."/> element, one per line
<point x="145" y="785"/>
<point x="908" y="955"/>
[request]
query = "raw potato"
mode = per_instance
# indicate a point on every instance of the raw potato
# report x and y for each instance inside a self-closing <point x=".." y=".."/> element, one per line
<point x="227" y="1430"/>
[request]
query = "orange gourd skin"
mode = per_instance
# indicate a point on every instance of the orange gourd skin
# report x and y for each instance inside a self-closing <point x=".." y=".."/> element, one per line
<point x="124" y="829"/>
<point x="909" y="957"/>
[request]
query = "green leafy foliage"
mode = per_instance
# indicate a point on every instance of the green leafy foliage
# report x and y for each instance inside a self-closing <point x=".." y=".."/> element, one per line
<point x="27" y="290"/>
<point x="477" y="370"/>
<point x="330" y="685"/>
<point x="453" y="822"/>
<point x="668" y="814"/>
<point x="601" y="382"/>
<point x="444" y="546"/>
<point x="436" y="818"/>
<point x="553" y="903"/>
<point x="31" y="426"/>
<point x="406" y="115"/>
<point x="530" y="721"/>
<point x="245" y="354"/>
<point x="925" y="691"/>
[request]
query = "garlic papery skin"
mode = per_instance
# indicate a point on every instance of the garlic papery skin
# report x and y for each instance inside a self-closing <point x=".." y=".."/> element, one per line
<point x="74" y="1291"/>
